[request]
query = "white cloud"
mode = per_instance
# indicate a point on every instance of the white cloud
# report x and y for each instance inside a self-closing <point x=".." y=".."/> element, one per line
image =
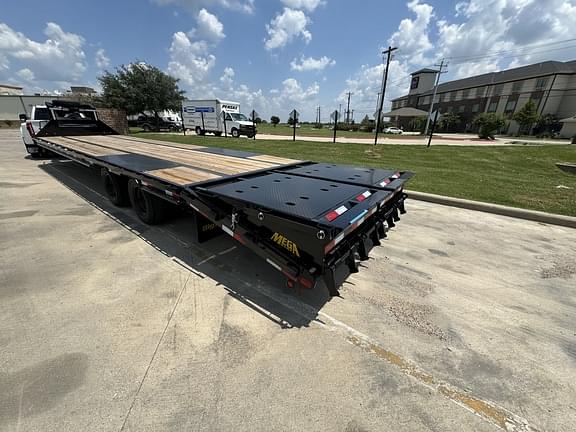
<point x="412" y="34"/>
<point x="101" y="60"/>
<point x="293" y="92"/>
<point x="285" y="27"/>
<point x="366" y="84"/>
<point x="309" y="5"/>
<point x="246" y="6"/>
<point x="190" y="61"/>
<point x="60" y="58"/>
<point x="209" y="27"/>
<point x="310" y="64"/>
<point x="26" y="74"/>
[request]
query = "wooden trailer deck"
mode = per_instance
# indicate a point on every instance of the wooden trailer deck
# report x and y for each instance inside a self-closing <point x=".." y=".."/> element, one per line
<point x="179" y="164"/>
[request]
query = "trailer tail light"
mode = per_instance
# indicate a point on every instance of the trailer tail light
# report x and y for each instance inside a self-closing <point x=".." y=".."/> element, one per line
<point x="363" y="196"/>
<point x="335" y="213"/>
<point x="306" y="283"/>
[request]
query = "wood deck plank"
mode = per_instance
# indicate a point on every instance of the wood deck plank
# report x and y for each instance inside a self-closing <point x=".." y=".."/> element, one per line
<point x="182" y="175"/>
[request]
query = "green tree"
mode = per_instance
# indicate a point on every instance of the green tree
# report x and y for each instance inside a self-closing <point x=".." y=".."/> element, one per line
<point x="366" y="124"/>
<point x="527" y="116"/>
<point x="449" y="121"/>
<point x="488" y="124"/>
<point x="274" y="120"/>
<point x="139" y="87"/>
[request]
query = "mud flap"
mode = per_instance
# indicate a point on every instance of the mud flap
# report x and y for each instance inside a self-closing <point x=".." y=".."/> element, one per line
<point x="204" y="229"/>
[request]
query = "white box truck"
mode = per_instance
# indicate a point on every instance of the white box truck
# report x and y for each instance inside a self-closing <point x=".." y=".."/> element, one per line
<point x="217" y="117"/>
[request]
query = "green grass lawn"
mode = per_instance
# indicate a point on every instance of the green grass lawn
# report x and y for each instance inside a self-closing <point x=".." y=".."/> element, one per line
<point x="523" y="177"/>
<point x="311" y="131"/>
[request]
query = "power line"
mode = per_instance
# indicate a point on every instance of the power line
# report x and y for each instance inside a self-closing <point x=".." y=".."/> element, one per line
<point x="488" y="53"/>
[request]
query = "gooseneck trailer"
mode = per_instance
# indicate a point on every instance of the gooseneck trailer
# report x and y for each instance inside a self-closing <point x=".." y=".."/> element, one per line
<point x="311" y="221"/>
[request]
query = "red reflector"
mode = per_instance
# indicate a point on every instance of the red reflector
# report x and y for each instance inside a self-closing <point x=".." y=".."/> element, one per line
<point x="238" y="237"/>
<point x="363" y="196"/>
<point x="335" y="213"/>
<point x="306" y="283"/>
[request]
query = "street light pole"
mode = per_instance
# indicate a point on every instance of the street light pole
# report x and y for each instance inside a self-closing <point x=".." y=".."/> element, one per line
<point x="389" y="54"/>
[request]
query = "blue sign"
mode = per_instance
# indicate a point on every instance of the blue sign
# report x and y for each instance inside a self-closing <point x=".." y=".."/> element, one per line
<point x="192" y="110"/>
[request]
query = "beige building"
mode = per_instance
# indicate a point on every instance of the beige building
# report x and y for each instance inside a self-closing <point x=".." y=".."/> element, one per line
<point x="551" y="85"/>
<point x="10" y="90"/>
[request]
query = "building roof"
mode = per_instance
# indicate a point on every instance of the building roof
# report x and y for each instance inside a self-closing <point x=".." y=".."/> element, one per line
<point x="11" y="86"/>
<point x="425" y="70"/>
<point x="519" y="73"/>
<point x="405" y="112"/>
<point x="569" y="120"/>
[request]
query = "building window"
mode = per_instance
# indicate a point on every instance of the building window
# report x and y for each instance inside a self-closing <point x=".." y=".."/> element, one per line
<point x="461" y="109"/>
<point x="414" y="83"/>
<point x="427" y="100"/>
<point x="465" y="93"/>
<point x="498" y="90"/>
<point x="510" y="106"/>
<point x="541" y="83"/>
<point x="492" y="107"/>
<point x="475" y="108"/>
<point x="441" y="97"/>
<point x="517" y="87"/>
<point x="452" y="96"/>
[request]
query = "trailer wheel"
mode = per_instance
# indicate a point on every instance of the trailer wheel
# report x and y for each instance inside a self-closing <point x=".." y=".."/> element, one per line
<point x="146" y="127"/>
<point x="235" y="133"/>
<point x="199" y="131"/>
<point x="218" y="134"/>
<point x="116" y="188"/>
<point x="150" y="209"/>
<point x="250" y="136"/>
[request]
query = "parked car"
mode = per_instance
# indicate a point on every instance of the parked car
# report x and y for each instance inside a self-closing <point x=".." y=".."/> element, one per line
<point x="160" y="124"/>
<point x="393" y="130"/>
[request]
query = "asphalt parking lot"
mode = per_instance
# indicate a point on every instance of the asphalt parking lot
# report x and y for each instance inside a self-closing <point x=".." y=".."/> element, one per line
<point x="460" y="321"/>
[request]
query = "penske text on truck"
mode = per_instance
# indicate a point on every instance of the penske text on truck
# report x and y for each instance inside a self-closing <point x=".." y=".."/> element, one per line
<point x="216" y="117"/>
<point x="313" y="222"/>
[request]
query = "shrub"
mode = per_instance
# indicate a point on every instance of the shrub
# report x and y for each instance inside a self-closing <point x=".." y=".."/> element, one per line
<point x="488" y="124"/>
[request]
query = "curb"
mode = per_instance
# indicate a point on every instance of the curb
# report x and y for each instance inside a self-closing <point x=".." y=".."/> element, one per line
<point x="536" y="216"/>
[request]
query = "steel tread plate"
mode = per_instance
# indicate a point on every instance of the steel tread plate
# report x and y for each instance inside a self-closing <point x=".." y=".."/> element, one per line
<point x="357" y="175"/>
<point x="295" y="195"/>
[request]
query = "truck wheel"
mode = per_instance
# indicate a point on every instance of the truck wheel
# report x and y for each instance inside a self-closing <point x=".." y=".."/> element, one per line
<point x="235" y="133"/>
<point x="146" y="128"/>
<point x="218" y="133"/>
<point x="116" y="188"/>
<point x="199" y="131"/>
<point x="149" y="208"/>
<point x="250" y="136"/>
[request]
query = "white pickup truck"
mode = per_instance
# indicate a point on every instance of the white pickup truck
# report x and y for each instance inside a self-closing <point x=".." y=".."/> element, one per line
<point x="39" y="116"/>
<point x="55" y="111"/>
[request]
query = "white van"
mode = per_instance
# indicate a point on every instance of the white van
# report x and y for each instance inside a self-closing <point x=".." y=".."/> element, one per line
<point x="217" y="117"/>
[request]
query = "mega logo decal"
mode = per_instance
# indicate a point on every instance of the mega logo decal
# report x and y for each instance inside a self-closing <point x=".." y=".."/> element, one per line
<point x="282" y="241"/>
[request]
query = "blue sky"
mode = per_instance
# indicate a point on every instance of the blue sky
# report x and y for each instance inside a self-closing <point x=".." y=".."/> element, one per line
<point x="276" y="55"/>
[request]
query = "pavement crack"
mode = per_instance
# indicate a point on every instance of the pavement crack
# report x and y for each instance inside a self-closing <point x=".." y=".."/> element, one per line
<point x="155" y="351"/>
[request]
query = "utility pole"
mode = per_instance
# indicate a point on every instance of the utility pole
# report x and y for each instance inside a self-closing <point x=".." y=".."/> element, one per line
<point x="440" y="66"/>
<point x="319" y="115"/>
<point x="388" y="52"/>
<point x="348" y="109"/>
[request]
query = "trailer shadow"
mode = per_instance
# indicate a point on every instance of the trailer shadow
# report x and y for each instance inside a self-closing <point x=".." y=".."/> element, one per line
<point x="244" y="275"/>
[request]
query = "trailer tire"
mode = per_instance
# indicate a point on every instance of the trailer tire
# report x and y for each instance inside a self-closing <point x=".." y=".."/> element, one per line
<point x="115" y="187"/>
<point x="149" y="208"/>
<point x="218" y="134"/>
<point x="146" y="127"/>
<point x="250" y="135"/>
<point x="199" y="131"/>
<point x="235" y="133"/>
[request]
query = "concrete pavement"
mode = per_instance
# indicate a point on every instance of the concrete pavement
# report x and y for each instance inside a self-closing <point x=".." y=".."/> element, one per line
<point x="460" y="321"/>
